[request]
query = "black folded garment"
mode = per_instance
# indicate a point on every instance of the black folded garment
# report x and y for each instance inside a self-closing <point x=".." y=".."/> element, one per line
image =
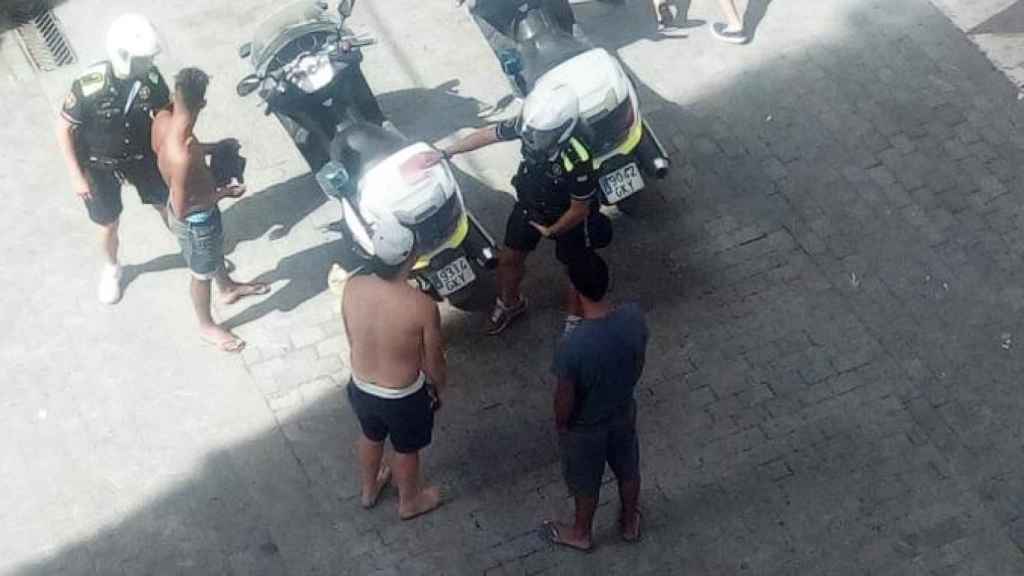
<point x="227" y="164"/>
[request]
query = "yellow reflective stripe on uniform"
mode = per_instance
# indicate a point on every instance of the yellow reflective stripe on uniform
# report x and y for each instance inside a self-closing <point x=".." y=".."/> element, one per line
<point x="581" y="151"/>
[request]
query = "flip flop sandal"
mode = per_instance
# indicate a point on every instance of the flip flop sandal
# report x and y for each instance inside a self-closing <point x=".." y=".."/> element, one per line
<point x="549" y="533"/>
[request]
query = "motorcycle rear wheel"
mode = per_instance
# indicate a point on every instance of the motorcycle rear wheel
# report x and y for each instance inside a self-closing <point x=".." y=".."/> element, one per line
<point x="630" y="206"/>
<point x="479" y="295"/>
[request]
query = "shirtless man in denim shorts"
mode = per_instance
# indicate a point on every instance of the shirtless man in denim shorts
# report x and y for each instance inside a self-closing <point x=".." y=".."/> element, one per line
<point x="193" y="215"/>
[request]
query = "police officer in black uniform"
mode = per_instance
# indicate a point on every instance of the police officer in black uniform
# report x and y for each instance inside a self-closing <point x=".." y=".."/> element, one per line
<point x="104" y="132"/>
<point x="556" y="198"/>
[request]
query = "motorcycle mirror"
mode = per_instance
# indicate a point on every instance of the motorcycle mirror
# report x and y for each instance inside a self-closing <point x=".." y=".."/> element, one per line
<point x="248" y="85"/>
<point x="345" y="7"/>
<point x="245" y="50"/>
<point x="334" y="180"/>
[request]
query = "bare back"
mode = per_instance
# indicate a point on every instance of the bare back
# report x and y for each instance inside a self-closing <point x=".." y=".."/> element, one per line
<point x="389" y="326"/>
<point x="182" y="163"/>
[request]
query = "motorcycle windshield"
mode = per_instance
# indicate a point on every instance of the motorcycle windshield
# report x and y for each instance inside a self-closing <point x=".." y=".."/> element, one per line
<point x="289" y="23"/>
<point x="544" y="46"/>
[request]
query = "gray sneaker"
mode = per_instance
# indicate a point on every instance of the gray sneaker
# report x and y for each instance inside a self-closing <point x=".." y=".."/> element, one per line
<point x="721" y="31"/>
<point x="503" y="315"/>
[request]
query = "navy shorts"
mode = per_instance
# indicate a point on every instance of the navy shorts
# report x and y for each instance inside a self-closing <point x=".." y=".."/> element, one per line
<point x="522" y="237"/>
<point x="408" y="421"/>
<point x="586" y="449"/>
<point x="105" y="183"/>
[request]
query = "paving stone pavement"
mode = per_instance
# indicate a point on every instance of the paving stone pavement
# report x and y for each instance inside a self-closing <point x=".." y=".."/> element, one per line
<point x="832" y="281"/>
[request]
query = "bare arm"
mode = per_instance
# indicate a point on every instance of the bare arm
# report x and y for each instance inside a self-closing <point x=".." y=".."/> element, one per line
<point x="66" y="142"/>
<point x="475" y="140"/>
<point x="434" y="363"/>
<point x="565" y="397"/>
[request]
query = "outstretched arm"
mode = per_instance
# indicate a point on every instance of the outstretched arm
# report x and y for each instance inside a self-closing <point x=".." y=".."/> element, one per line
<point x="479" y="138"/>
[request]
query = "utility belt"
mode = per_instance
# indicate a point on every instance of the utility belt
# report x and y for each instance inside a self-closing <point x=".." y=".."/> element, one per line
<point x="112" y="162"/>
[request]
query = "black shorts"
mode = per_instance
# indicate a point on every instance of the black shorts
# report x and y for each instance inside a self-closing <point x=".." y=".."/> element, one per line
<point x="105" y="206"/>
<point x="408" y="421"/>
<point x="522" y="237"/>
<point x="585" y="449"/>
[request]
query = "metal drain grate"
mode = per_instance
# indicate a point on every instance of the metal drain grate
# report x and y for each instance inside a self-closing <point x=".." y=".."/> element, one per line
<point x="42" y="38"/>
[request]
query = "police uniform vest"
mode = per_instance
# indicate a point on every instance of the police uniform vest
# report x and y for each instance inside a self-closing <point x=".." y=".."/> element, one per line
<point x="547" y="188"/>
<point x="114" y="115"/>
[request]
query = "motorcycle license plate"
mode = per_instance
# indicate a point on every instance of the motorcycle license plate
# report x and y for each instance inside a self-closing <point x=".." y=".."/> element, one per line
<point x="454" y="277"/>
<point x="622" y="183"/>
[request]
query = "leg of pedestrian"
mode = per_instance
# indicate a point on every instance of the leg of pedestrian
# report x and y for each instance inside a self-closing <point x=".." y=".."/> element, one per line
<point x="109" y="290"/>
<point x="209" y="331"/>
<point x="578" y="534"/>
<point x="510" y="304"/>
<point x="414" y="498"/>
<point x="731" y="30"/>
<point x="232" y="291"/>
<point x="376" y="474"/>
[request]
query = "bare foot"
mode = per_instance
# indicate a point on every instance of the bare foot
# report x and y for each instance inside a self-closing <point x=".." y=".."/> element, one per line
<point x="428" y="499"/>
<point x="217" y="336"/>
<point x="564" y="535"/>
<point x="369" y="500"/>
<point x="240" y="290"/>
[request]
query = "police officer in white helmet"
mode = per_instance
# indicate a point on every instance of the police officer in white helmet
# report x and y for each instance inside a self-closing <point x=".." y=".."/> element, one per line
<point x="398" y="368"/>
<point x="556" y="198"/>
<point x="104" y="134"/>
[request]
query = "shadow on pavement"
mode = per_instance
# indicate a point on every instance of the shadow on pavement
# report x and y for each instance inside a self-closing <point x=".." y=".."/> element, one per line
<point x="275" y="209"/>
<point x="794" y="419"/>
<point x="1010" y="20"/>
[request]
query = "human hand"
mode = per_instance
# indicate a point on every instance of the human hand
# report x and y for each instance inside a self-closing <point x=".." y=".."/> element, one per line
<point x="81" y="188"/>
<point x="429" y="158"/>
<point x="233" y="189"/>
<point x="545" y="231"/>
<point x="232" y="143"/>
<point x="435" y="397"/>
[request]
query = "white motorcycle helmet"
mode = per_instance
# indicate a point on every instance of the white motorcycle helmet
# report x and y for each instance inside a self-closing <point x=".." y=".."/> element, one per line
<point x="392" y="242"/>
<point x="549" y="116"/>
<point x="132" y="43"/>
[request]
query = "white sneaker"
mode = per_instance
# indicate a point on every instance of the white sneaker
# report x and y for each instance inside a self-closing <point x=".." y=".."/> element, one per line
<point x="109" y="291"/>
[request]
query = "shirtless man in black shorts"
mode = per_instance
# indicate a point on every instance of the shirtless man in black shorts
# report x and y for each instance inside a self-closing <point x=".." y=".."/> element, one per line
<point x="398" y="370"/>
<point x="193" y="215"/>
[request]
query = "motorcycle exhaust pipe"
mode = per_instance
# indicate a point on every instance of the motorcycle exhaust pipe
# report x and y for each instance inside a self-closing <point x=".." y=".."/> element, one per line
<point x="653" y="157"/>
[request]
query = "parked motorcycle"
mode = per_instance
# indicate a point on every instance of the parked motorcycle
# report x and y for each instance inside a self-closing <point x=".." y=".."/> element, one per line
<point x="624" y="146"/>
<point x="368" y="167"/>
<point x="307" y="71"/>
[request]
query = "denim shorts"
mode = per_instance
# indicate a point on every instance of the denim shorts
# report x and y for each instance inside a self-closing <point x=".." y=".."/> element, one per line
<point x="201" y="237"/>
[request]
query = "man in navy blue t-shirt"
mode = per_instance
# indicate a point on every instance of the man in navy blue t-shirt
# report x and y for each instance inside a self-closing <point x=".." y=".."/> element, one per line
<point x="598" y="364"/>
